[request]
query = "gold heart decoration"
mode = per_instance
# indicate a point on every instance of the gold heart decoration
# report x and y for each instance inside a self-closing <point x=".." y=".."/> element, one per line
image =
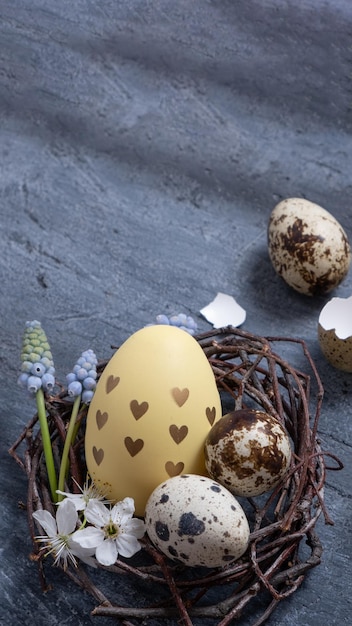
<point x="137" y="409"/>
<point x="180" y="395"/>
<point x="133" y="447"/>
<point x="211" y="414"/>
<point x="178" y="433"/>
<point x="98" y="455"/>
<point x="101" y="419"/>
<point x="172" y="469"/>
<point x="112" y="382"/>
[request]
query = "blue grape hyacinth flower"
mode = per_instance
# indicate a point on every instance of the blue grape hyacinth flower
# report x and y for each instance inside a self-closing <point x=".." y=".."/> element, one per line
<point x="181" y="320"/>
<point x="82" y="380"/>
<point x="38" y="376"/>
<point x="37" y="367"/>
<point x="81" y="384"/>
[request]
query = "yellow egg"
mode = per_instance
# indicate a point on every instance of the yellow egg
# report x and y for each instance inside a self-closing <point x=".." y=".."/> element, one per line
<point x="153" y="407"/>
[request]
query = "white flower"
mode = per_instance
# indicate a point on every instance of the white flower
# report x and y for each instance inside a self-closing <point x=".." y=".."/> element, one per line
<point x="80" y="500"/>
<point x="115" y="531"/>
<point x="59" y="534"/>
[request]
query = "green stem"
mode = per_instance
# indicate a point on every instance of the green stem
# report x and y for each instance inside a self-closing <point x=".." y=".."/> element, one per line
<point x="48" y="451"/>
<point x="70" y="436"/>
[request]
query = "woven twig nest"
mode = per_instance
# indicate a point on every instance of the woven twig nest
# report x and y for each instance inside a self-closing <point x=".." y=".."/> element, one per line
<point x="284" y="544"/>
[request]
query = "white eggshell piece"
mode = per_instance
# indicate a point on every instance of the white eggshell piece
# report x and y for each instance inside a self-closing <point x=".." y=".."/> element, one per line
<point x="195" y="520"/>
<point x="248" y="452"/>
<point x="307" y="246"/>
<point x="224" y="310"/>
<point x="337" y="315"/>
<point x="152" y="409"/>
<point x="335" y="332"/>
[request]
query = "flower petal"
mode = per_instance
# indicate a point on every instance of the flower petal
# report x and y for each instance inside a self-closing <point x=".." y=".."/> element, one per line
<point x="84" y="554"/>
<point x="97" y="514"/>
<point x="47" y="521"/>
<point x="135" y="527"/>
<point x="66" y="517"/>
<point x="122" y="511"/>
<point x="89" y="537"/>
<point x="127" y="545"/>
<point x="106" y="552"/>
<point x="76" y="498"/>
<point x="128" y="505"/>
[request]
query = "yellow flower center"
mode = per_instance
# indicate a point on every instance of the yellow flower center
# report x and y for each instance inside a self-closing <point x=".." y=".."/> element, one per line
<point x="111" y="530"/>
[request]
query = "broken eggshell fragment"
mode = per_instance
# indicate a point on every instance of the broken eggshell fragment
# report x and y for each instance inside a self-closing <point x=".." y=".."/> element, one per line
<point x="224" y="311"/>
<point x="307" y="246"/>
<point x="335" y="332"/>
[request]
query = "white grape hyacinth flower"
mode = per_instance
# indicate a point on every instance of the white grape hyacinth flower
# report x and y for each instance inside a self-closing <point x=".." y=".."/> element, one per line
<point x="114" y="531"/>
<point x="59" y="535"/>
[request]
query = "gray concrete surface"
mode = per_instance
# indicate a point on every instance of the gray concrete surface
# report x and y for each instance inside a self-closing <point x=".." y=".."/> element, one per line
<point x="143" y="146"/>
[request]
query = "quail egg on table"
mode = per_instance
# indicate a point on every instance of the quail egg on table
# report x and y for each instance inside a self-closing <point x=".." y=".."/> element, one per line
<point x="335" y="332"/>
<point x="248" y="451"/>
<point x="307" y="246"/>
<point x="193" y="519"/>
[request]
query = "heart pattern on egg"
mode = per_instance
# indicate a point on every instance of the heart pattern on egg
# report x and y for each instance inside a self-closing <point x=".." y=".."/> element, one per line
<point x="172" y="469"/>
<point x="178" y="433"/>
<point x="133" y="447"/>
<point x="138" y="409"/>
<point x="211" y="413"/>
<point x="112" y="382"/>
<point x="180" y="395"/>
<point x="101" y="418"/>
<point x="98" y="455"/>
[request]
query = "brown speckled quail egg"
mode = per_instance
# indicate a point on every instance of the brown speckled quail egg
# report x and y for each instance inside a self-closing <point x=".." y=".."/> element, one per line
<point x="248" y="452"/>
<point x="335" y="332"/>
<point x="193" y="519"/>
<point x="307" y="246"/>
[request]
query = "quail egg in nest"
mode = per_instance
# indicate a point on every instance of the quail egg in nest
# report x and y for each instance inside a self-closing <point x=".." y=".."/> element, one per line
<point x="248" y="451"/>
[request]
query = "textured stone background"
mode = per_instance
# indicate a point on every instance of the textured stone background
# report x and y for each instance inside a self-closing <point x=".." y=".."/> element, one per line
<point x="143" y="146"/>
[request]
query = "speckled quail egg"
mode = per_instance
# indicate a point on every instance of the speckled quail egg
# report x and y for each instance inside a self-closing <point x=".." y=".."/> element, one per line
<point x="192" y="519"/>
<point x="307" y="246"/>
<point x="247" y="451"/>
<point x="335" y="332"/>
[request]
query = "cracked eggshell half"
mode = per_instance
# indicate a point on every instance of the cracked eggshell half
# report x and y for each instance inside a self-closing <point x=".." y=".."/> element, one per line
<point x="248" y="451"/>
<point x="195" y="520"/>
<point x="335" y="332"/>
<point x="152" y="409"/>
<point x="307" y="246"/>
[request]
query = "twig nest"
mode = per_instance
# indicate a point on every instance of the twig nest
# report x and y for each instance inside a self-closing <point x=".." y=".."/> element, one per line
<point x="248" y="451"/>
<point x="335" y="332"/>
<point x="195" y="520"/>
<point x="307" y="246"/>
<point x="249" y="370"/>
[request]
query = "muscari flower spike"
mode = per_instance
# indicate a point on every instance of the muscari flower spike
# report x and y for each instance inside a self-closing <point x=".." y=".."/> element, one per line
<point x="82" y="379"/>
<point x="37" y="367"/>
<point x="181" y="320"/>
<point x="81" y="384"/>
<point x="37" y="376"/>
